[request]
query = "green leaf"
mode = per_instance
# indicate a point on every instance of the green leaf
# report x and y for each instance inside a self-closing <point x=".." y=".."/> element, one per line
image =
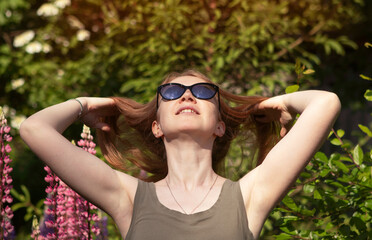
<point x="341" y="166"/>
<point x="287" y="230"/>
<point x="308" y="212"/>
<point x="283" y="236"/>
<point x="358" y="155"/>
<point x="330" y="134"/>
<point x="17" y="195"/>
<point x="317" y="195"/>
<point x="28" y="216"/>
<point x="368" y="95"/>
<point x="368" y="204"/>
<point x="17" y="206"/>
<point x="336" y="46"/>
<point x="336" y="141"/>
<point x="220" y="62"/>
<point x="365" y="129"/>
<point x="26" y="193"/>
<point x="324" y="172"/>
<point x="298" y="66"/>
<point x="340" y="133"/>
<point x="365" y="77"/>
<point x="309" y="188"/>
<point x="320" y="156"/>
<point x="289" y="203"/>
<point x="308" y="71"/>
<point x="292" y="88"/>
<point x="347" y="159"/>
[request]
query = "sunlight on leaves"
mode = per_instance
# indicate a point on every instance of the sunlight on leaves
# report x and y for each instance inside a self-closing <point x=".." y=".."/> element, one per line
<point x="292" y="88"/>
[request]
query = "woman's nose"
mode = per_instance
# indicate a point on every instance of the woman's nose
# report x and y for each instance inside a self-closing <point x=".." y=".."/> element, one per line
<point x="187" y="96"/>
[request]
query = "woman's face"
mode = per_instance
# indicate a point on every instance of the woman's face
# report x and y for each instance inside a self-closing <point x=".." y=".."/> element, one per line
<point x="188" y="114"/>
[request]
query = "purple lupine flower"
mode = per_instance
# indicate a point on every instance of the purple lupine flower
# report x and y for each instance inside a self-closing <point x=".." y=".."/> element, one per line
<point x="6" y="227"/>
<point x="48" y="227"/>
<point x="102" y="225"/>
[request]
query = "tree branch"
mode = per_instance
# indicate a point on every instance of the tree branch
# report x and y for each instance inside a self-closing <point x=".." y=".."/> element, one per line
<point x="299" y="40"/>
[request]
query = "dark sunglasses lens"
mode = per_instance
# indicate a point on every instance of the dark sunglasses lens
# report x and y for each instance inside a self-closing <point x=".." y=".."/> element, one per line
<point x="171" y="92"/>
<point x="203" y="91"/>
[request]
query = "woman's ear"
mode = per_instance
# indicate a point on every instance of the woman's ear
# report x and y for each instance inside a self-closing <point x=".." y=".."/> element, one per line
<point x="220" y="129"/>
<point x="156" y="129"/>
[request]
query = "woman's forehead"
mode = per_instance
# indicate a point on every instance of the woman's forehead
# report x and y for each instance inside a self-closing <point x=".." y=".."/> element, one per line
<point x="187" y="80"/>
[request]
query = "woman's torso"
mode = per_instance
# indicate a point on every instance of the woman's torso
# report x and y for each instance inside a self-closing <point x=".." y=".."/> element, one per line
<point x="226" y="219"/>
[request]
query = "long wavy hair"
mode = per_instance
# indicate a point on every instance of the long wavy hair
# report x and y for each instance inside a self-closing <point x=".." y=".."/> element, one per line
<point x="131" y="137"/>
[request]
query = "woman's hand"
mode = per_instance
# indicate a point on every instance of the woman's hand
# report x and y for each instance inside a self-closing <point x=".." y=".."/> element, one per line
<point x="275" y="109"/>
<point x="94" y="111"/>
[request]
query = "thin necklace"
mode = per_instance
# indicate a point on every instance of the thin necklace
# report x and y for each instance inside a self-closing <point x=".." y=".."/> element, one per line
<point x="170" y="190"/>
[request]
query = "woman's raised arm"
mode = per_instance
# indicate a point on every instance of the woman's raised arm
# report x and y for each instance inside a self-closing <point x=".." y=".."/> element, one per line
<point x="264" y="186"/>
<point x="89" y="176"/>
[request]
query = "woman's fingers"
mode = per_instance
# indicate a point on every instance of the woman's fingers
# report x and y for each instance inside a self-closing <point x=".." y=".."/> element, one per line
<point x="273" y="109"/>
<point x="103" y="126"/>
<point x="97" y="109"/>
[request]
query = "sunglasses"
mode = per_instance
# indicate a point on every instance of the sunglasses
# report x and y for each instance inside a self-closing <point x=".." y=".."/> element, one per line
<point x="173" y="91"/>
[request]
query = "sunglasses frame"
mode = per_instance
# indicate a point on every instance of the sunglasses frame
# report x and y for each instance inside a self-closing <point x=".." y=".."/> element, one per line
<point x="185" y="89"/>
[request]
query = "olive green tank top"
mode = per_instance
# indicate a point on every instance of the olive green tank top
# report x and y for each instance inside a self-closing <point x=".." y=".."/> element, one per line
<point x="226" y="219"/>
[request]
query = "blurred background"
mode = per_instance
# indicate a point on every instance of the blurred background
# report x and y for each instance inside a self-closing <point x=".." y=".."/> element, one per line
<point x="51" y="51"/>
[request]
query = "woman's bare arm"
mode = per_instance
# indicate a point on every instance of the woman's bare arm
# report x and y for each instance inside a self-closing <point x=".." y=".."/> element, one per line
<point x="264" y="186"/>
<point x="82" y="171"/>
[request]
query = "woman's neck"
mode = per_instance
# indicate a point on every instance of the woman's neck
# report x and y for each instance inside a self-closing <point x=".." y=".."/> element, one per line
<point x="189" y="164"/>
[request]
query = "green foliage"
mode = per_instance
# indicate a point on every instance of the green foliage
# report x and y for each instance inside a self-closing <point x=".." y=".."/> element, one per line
<point x="126" y="48"/>
<point x="334" y="201"/>
<point x="24" y="201"/>
<point x="332" y="197"/>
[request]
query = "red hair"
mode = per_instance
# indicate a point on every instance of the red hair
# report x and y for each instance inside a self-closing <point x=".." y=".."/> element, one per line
<point x="132" y="138"/>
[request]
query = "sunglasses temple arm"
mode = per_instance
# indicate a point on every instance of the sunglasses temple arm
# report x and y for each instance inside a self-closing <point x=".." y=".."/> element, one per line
<point x="157" y="101"/>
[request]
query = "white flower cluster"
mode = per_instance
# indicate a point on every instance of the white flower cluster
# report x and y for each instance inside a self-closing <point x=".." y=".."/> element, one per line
<point x="36" y="47"/>
<point x="52" y="9"/>
<point x="16" y="120"/>
<point x="23" y="38"/>
<point x="62" y="3"/>
<point x="17" y="83"/>
<point x="82" y="35"/>
<point x="32" y="47"/>
<point x="47" y="10"/>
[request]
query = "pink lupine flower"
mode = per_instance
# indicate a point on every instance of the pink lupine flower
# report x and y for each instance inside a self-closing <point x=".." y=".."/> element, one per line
<point x="6" y="129"/>
<point x="48" y="227"/>
<point x="6" y="227"/>
<point x="68" y="215"/>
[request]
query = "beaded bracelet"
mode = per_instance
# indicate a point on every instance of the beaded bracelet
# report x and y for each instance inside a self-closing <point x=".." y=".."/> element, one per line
<point x="81" y="106"/>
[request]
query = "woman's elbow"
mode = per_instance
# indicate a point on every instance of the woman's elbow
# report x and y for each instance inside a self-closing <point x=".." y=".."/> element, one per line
<point x="333" y="103"/>
<point x="28" y="129"/>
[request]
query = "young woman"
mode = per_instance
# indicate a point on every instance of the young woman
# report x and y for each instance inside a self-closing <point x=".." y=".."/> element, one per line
<point x="181" y="138"/>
